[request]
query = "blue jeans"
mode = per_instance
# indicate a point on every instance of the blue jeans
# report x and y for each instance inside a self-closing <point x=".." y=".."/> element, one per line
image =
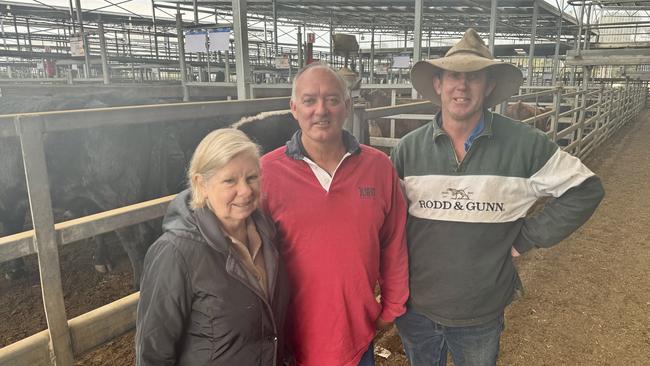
<point x="368" y="358"/>
<point x="426" y="342"/>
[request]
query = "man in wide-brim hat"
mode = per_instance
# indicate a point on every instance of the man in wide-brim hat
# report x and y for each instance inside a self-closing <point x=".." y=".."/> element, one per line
<point x="470" y="176"/>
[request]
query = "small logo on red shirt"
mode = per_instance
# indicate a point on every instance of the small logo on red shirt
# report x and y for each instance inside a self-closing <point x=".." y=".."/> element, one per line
<point x="367" y="192"/>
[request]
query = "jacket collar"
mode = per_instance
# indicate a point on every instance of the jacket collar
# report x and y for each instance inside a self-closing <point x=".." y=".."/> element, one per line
<point x="487" y="130"/>
<point x="209" y="227"/>
<point x="296" y="150"/>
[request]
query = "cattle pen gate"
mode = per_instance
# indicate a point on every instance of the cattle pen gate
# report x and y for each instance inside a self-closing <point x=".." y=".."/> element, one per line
<point x="582" y="118"/>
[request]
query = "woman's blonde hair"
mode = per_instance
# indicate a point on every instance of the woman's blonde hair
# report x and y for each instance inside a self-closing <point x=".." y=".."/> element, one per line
<point x="216" y="150"/>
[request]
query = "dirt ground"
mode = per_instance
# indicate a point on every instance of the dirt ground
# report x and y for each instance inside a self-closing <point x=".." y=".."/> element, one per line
<point x="587" y="300"/>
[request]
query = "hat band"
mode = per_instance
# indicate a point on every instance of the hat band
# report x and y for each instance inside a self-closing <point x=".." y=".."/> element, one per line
<point x="473" y="52"/>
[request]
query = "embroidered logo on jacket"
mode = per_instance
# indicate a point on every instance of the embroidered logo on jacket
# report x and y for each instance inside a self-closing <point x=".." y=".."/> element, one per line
<point x="366" y="192"/>
<point x="457" y="194"/>
<point x="460" y="200"/>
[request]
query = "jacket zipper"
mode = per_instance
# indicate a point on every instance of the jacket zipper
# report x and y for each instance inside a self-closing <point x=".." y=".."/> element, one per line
<point x="263" y="298"/>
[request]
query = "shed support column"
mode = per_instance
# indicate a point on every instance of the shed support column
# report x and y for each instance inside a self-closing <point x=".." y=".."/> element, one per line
<point x="227" y="66"/>
<point x="493" y="25"/>
<point x="417" y="40"/>
<point x="578" y="41"/>
<point x="74" y="29"/>
<point x="16" y="31"/>
<point x="300" y="56"/>
<point x="181" y="53"/>
<point x="155" y="30"/>
<point x="40" y="201"/>
<point x="371" y="67"/>
<point x="102" y="48"/>
<point x="241" y="49"/>
<point x="195" y="7"/>
<point x="533" y="35"/>
<point x="29" y="36"/>
<point x="587" y="44"/>
<point x="84" y="39"/>
<point x="556" y="55"/>
<point x="275" y="27"/>
<point x="331" y="39"/>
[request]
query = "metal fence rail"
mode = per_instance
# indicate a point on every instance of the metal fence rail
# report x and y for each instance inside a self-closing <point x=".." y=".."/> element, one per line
<point x="591" y="117"/>
<point x="581" y="119"/>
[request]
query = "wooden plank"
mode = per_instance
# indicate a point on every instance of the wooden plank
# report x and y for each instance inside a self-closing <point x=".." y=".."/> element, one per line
<point x="19" y="245"/>
<point x="107" y="221"/>
<point x="88" y="331"/>
<point x="99" y="326"/>
<point x="16" y="245"/>
<point x="158" y="113"/>
<point x="31" y="137"/>
<point x="30" y="351"/>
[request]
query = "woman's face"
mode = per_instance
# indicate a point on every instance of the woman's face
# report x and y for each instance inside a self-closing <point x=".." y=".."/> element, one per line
<point x="233" y="191"/>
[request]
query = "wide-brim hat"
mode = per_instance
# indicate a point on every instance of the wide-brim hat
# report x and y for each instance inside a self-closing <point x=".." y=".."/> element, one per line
<point x="468" y="55"/>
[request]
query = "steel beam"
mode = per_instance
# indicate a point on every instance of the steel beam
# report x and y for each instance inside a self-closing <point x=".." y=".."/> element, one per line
<point x="181" y="54"/>
<point x="493" y="25"/>
<point x="372" y="53"/>
<point x="241" y="49"/>
<point x="531" y="52"/>
<point x="155" y="29"/>
<point x="638" y="75"/>
<point x="556" y="54"/>
<point x="417" y="39"/>
<point x="275" y="27"/>
<point x="80" y="19"/>
<point x="602" y="57"/>
<point x="102" y="49"/>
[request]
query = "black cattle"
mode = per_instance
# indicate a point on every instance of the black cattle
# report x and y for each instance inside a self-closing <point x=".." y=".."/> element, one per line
<point x="270" y="130"/>
<point x="93" y="170"/>
<point x="98" y="169"/>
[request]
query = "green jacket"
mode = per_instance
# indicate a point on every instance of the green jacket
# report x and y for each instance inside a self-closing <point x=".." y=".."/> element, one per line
<point x="463" y="218"/>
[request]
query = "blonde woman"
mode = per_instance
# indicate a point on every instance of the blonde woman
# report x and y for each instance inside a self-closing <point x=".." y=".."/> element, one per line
<point x="213" y="290"/>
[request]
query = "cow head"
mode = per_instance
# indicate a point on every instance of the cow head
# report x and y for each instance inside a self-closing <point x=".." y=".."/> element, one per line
<point x="521" y="111"/>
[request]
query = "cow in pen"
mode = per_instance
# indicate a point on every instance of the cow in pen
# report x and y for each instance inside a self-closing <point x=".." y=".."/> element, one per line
<point x="521" y="111"/>
<point x="98" y="169"/>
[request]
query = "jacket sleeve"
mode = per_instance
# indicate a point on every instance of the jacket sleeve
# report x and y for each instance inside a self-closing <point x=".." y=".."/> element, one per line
<point x="576" y="191"/>
<point x="394" y="275"/>
<point x="165" y="303"/>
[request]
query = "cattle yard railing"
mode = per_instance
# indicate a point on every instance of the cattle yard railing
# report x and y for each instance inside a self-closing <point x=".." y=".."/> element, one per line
<point x="581" y="119"/>
<point x="595" y="115"/>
